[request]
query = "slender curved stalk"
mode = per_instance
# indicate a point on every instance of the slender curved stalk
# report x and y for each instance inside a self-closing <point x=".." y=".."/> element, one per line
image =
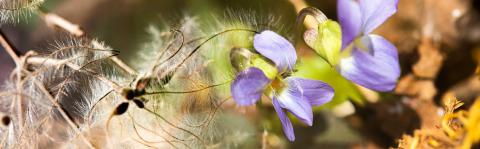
<point x="8" y="48"/>
<point x="19" y="104"/>
<point x="318" y="16"/>
<point x="63" y="113"/>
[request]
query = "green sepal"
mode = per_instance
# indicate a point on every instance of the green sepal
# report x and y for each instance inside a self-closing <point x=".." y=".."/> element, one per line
<point x="267" y="67"/>
<point x="327" y="42"/>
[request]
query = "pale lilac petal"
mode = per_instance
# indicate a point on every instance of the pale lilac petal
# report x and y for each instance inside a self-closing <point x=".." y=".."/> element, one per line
<point x="379" y="71"/>
<point x="364" y="43"/>
<point x="277" y="49"/>
<point x="286" y="124"/>
<point x="316" y="92"/>
<point x="248" y="86"/>
<point x="296" y="104"/>
<point x="349" y="16"/>
<point x="375" y="12"/>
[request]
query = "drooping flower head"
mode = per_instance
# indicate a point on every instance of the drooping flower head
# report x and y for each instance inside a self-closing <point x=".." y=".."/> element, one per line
<point x="294" y="94"/>
<point x="373" y="62"/>
<point x="366" y="59"/>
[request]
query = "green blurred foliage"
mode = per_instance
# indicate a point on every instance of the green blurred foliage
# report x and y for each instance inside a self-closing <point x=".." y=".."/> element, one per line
<point x="315" y="67"/>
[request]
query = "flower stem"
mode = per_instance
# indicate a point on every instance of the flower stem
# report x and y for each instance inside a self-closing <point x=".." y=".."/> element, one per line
<point x="8" y="48"/>
<point x="19" y="100"/>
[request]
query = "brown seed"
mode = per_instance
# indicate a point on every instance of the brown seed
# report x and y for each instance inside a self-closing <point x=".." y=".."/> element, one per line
<point x="122" y="108"/>
<point x="6" y="120"/>
<point x="139" y="103"/>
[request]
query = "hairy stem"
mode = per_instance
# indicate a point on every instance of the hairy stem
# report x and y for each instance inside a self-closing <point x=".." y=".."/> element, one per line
<point x="55" y="21"/>
<point x="56" y="62"/>
<point x="63" y="113"/>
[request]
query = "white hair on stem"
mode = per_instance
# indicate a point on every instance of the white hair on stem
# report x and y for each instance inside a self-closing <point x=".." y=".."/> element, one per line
<point x="12" y="11"/>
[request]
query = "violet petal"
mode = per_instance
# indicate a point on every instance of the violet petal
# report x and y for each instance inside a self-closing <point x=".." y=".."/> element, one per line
<point x="349" y="16"/>
<point x="296" y="104"/>
<point x="379" y="71"/>
<point x="248" y="86"/>
<point x="375" y="12"/>
<point x="277" y="49"/>
<point x="316" y="92"/>
<point x="286" y="124"/>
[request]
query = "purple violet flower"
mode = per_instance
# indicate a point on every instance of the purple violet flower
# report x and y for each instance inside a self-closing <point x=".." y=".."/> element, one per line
<point x="296" y="95"/>
<point x="373" y="61"/>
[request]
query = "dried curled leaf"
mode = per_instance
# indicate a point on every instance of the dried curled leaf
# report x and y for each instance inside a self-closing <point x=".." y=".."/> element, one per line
<point x="458" y="129"/>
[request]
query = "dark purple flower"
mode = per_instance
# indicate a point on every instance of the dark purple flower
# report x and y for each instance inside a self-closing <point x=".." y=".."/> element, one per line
<point x="373" y="61"/>
<point x="296" y="95"/>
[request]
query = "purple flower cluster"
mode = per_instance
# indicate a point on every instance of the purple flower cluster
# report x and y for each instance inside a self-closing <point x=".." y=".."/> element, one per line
<point x="370" y="61"/>
<point x="297" y="95"/>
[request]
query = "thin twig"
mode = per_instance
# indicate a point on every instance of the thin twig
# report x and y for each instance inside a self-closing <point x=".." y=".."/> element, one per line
<point x="54" y="20"/>
<point x="175" y="126"/>
<point x="175" y="68"/>
<point x="143" y="139"/>
<point x="265" y="139"/>
<point x="56" y="62"/>
<point x="190" y="91"/>
<point x="9" y="49"/>
<point x="123" y="65"/>
<point x="63" y="113"/>
<point x="19" y="66"/>
<point x="119" y="62"/>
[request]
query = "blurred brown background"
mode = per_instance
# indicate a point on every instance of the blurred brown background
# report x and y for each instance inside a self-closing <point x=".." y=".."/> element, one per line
<point x="453" y="26"/>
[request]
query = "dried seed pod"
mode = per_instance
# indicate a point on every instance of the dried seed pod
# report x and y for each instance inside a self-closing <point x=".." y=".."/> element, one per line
<point x="139" y="103"/>
<point x="122" y="108"/>
<point x="6" y="120"/>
